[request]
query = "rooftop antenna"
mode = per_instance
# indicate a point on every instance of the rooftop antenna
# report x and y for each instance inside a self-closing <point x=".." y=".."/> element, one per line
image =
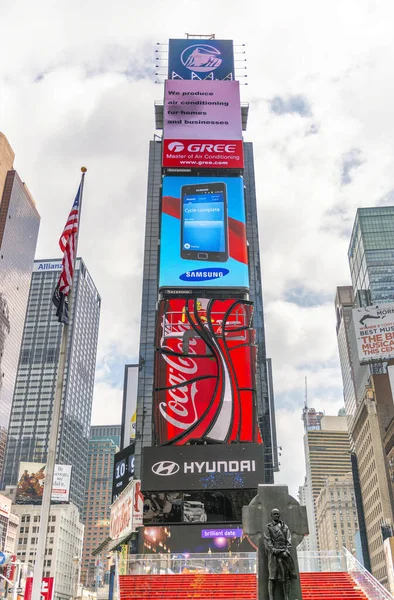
<point x="306" y="393"/>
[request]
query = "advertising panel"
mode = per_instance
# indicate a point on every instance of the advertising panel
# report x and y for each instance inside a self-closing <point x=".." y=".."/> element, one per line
<point x="202" y="506"/>
<point x="179" y="542"/>
<point x="374" y="328"/>
<point x="203" y="234"/>
<point x="197" y="467"/>
<point x="207" y="346"/>
<point x="47" y="588"/>
<point x="202" y="110"/>
<point x="201" y="59"/>
<point x="5" y="506"/>
<point x="188" y="154"/>
<point x="123" y="470"/>
<point x="127" y="511"/>
<point x="30" y="486"/>
<point x="129" y="407"/>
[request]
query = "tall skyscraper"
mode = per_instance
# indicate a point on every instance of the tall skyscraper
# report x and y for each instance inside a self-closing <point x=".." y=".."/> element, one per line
<point x="103" y="445"/>
<point x="265" y="403"/>
<point x="19" y="224"/>
<point x="327" y="452"/>
<point x="36" y="377"/>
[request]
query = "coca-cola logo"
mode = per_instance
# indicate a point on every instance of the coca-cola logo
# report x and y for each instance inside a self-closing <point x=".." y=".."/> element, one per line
<point x="180" y="410"/>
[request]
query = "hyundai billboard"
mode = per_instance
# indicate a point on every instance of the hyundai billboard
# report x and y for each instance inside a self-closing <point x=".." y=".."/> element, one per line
<point x="202" y="467"/>
<point x="208" y="347"/>
<point x="201" y="59"/>
<point x="203" y="234"/>
<point x="202" y="124"/>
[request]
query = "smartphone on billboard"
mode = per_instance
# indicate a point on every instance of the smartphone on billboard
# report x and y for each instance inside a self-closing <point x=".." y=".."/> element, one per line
<point x="204" y="222"/>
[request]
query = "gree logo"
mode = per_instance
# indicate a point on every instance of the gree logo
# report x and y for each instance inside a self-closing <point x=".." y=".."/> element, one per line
<point x="176" y="147"/>
<point x="165" y="468"/>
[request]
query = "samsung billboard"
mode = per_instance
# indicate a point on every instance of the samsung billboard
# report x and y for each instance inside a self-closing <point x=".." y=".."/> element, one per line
<point x="203" y="233"/>
<point x="201" y="59"/>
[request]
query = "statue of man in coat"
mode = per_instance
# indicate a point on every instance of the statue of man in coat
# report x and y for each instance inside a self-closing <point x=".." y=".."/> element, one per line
<point x="281" y="569"/>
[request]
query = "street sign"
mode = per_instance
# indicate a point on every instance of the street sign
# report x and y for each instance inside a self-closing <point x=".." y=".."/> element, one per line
<point x="3" y="558"/>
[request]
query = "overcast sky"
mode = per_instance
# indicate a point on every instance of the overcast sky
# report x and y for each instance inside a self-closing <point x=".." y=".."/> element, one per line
<point x="78" y="87"/>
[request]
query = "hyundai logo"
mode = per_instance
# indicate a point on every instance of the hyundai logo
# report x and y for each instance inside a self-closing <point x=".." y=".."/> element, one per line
<point x="165" y="467"/>
<point x="176" y="147"/>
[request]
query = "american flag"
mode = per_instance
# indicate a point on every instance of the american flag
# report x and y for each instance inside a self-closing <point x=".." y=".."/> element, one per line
<point x="67" y="245"/>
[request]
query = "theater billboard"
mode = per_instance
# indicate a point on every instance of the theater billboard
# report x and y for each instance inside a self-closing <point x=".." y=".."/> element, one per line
<point x="374" y="329"/>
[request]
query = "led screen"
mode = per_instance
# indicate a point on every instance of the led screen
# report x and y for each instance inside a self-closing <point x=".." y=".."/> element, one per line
<point x="203" y="234"/>
<point x="208" y="347"/>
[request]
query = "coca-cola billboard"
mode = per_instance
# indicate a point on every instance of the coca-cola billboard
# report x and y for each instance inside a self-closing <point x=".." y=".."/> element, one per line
<point x="205" y="372"/>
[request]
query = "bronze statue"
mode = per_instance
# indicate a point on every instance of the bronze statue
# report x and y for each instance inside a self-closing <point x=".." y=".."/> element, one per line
<point x="281" y="568"/>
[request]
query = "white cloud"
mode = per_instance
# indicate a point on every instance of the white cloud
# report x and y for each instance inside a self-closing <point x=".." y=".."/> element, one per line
<point x="77" y="87"/>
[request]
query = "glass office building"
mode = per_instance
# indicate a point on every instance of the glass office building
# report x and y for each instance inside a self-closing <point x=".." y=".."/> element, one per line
<point x="371" y="255"/>
<point x="36" y="377"/>
<point x="19" y="224"/>
<point x="265" y="400"/>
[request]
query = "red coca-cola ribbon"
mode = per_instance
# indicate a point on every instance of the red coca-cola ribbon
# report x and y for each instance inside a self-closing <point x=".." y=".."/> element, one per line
<point x="236" y="230"/>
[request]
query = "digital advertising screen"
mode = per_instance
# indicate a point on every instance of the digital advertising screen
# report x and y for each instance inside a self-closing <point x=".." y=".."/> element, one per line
<point x="202" y="467"/>
<point x="178" y="539"/>
<point x="203" y="233"/>
<point x="209" y="346"/>
<point x="201" y="59"/>
<point x="123" y="470"/>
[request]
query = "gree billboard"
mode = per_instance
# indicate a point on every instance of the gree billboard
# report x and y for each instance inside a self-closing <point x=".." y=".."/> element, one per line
<point x="203" y="233"/>
<point x="201" y="59"/>
<point x="202" y="124"/>
<point x="208" y="346"/>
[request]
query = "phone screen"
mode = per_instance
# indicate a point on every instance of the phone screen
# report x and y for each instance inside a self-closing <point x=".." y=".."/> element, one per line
<point x="204" y="222"/>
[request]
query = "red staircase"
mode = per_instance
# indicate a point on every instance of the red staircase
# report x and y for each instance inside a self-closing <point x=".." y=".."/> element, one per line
<point x="231" y="586"/>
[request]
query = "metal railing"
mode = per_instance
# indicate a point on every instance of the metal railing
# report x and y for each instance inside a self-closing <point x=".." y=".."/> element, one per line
<point x="369" y="585"/>
<point x="176" y="564"/>
<point x="314" y="562"/>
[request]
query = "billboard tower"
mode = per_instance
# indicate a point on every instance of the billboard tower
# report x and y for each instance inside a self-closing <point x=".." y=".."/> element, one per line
<point x="211" y="412"/>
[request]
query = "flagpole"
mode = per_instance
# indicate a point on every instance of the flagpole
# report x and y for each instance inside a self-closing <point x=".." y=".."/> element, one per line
<point x="53" y="435"/>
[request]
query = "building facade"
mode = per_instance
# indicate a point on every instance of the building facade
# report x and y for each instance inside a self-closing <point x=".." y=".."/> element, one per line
<point x="8" y="525"/>
<point x="336" y="514"/>
<point x="327" y="452"/>
<point x="265" y="400"/>
<point x="97" y="511"/>
<point x="36" y="377"/>
<point x="64" y="544"/>
<point x="112" y="432"/>
<point x="19" y="224"/>
<point x="373" y="416"/>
